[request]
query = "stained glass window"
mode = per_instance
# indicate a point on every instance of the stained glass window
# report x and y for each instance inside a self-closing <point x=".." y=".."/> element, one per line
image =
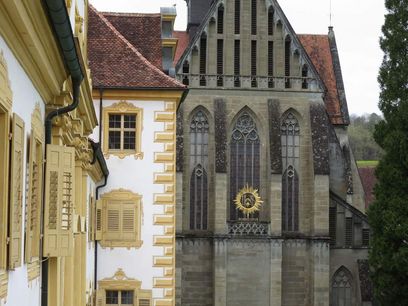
<point x="199" y="129"/>
<point x="244" y="160"/>
<point x="341" y="288"/>
<point x="290" y="140"/>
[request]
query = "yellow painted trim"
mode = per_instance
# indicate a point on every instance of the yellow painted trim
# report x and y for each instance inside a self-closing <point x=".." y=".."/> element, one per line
<point x="167" y="178"/>
<point x="3" y="284"/>
<point x="33" y="269"/>
<point x="143" y="95"/>
<point x="123" y="107"/>
<point x="119" y="196"/>
<point x="168" y="17"/>
<point x="121" y="282"/>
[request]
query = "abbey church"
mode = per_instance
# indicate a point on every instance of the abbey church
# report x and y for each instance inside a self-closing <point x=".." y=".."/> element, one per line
<point x="145" y="166"/>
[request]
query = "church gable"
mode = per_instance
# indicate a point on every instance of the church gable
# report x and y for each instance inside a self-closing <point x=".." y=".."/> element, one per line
<point x="246" y="44"/>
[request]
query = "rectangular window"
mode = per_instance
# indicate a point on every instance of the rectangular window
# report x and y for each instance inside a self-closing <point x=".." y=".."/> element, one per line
<point x="366" y="237"/>
<point x="270" y="21"/>
<point x="220" y="20"/>
<point x="122" y="124"/>
<point x="287" y="61"/>
<point x="118" y="221"/>
<point x="220" y="62"/>
<point x="116" y="297"/>
<point x="270" y="65"/>
<point x="253" y="17"/>
<point x="237" y="16"/>
<point x="254" y="82"/>
<point x="122" y="132"/>
<point x="237" y="59"/>
<point x="332" y="224"/>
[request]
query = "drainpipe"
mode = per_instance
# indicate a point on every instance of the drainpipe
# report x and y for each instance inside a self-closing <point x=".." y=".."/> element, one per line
<point x="61" y="25"/>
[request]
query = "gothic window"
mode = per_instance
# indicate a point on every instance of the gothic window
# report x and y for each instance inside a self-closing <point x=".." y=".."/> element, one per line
<point x="237" y="16"/>
<point x="237" y="62"/>
<point x="341" y="288"/>
<point x="270" y="20"/>
<point x="290" y="140"/>
<point x="220" y="20"/>
<point x="220" y="62"/>
<point x="288" y="43"/>
<point x="305" y="72"/>
<point x="270" y="64"/>
<point x="254" y="82"/>
<point x="244" y="159"/>
<point x="199" y="129"/>
<point x="203" y="59"/>
<point x="186" y="71"/>
<point x="253" y="17"/>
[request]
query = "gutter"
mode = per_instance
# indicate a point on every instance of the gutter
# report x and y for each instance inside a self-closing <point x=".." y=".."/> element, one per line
<point x="61" y="25"/>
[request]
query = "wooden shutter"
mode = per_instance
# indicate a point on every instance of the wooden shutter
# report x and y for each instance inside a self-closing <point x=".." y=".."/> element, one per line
<point x="112" y="225"/>
<point x="98" y="220"/>
<point x="34" y="199"/>
<point x="59" y="195"/>
<point x="16" y="193"/>
<point x="145" y="297"/>
<point x="128" y="221"/>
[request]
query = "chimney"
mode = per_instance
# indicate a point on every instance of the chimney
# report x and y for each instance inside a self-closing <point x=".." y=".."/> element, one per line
<point x="197" y="10"/>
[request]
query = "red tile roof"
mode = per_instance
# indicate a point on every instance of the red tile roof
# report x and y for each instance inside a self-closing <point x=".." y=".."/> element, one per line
<point x="183" y="41"/>
<point x="117" y="63"/>
<point x="143" y="31"/>
<point x="368" y="179"/>
<point x="318" y="49"/>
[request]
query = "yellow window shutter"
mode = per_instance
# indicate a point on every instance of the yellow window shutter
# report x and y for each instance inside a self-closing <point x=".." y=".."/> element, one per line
<point x="100" y="297"/>
<point x="33" y="199"/>
<point x="145" y="297"/>
<point x="59" y="201"/>
<point x="128" y="221"/>
<point x="98" y="220"/>
<point x="16" y="193"/>
<point x="112" y="229"/>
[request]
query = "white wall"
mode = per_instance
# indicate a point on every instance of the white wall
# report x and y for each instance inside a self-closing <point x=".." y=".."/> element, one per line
<point x="25" y="97"/>
<point x="137" y="176"/>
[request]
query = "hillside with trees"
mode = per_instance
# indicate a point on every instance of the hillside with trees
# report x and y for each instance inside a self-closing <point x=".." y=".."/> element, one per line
<point x="361" y="137"/>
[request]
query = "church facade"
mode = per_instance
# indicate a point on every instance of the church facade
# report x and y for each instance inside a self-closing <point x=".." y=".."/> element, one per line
<point x="270" y="207"/>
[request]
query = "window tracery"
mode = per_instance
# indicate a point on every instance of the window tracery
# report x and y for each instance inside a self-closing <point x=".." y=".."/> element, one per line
<point x="290" y="131"/>
<point x="244" y="160"/>
<point x="341" y="288"/>
<point x="199" y="130"/>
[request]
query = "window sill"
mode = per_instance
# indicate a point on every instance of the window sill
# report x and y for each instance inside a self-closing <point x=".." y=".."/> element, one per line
<point x="123" y="154"/>
<point x="121" y="244"/>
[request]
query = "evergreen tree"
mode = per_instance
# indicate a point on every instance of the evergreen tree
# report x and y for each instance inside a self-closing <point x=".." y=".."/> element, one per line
<point x="389" y="214"/>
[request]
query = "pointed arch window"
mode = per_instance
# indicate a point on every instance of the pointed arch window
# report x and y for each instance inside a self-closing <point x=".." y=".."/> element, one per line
<point x="288" y="44"/>
<point x="290" y="140"/>
<point x="203" y="59"/>
<point x="244" y="159"/>
<point x="237" y="17"/>
<point x="341" y="288"/>
<point x="271" y="13"/>
<point x="199" y="130"/>
<point x="305" y="72"/>
<point x="220" y="20"/>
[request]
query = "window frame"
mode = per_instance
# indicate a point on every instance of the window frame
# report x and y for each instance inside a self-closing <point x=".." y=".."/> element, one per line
<point x="121" y="199"/>
<point x="121" y="282"/>
<point x="123" y="108"/>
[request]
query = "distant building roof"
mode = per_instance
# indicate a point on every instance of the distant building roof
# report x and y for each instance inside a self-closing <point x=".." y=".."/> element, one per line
<point x="319" y="51"/>
<point x="116" y="62"/>
<point x="183" y="41"/>
<point x="368" y="179"/>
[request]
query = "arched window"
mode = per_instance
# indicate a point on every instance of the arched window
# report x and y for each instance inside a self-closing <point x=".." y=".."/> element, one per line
<point x="305" y="72"/>
<point x="341" y="288"/>
<point x="288" y="43"/>
<point x="186" y="71"/>
<point x="203" y="60"/>
<point x="199" y="129"/>
<point x="220" y="20"/>
<point x="271" y="13"/>
<point x="290" y="140"/>
<point x="244" y="159"/>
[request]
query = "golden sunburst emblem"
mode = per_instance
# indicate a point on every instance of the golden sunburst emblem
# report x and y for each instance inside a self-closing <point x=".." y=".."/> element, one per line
<point x="248" y="200"/>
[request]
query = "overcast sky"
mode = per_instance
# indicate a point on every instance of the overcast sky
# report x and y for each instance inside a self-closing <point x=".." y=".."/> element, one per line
<point x="357" y="25"/>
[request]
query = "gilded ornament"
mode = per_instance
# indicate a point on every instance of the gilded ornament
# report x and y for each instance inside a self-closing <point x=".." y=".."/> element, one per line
<point x="248" y="200"/>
